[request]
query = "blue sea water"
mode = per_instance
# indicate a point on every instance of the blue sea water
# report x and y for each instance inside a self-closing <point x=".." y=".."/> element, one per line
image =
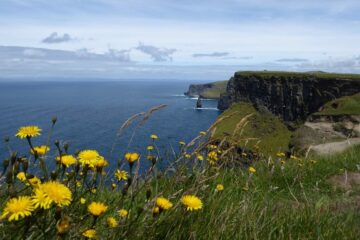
<point x="90" y="113"/>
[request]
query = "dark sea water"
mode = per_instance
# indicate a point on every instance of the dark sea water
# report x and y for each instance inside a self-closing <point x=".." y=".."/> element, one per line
<point x="89" y="114"/>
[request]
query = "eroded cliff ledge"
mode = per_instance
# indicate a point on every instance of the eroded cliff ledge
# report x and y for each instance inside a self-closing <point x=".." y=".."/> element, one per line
<point x="289" y="95"/>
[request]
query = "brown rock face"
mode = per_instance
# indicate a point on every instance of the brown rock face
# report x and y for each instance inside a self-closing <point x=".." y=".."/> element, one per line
<point x="289" y="96"/>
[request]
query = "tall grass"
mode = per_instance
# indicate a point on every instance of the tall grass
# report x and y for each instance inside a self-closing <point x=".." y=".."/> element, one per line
<point x="284" y="198"/>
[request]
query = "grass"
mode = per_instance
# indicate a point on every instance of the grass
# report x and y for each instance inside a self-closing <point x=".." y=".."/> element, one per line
<point x="263" y="130"/>
<point x="322" y="75"/>
<point x="214" y="92"/>
<point x="349" y="105"/>
<point x="282" y="199"/>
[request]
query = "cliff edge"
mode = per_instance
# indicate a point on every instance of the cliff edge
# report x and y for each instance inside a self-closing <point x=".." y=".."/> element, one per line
<point x="290" y="95"/>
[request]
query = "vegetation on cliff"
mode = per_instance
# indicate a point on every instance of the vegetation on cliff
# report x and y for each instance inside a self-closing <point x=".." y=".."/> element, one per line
<point x="209" y="90"/>
<point x="262" y="130"/>
<point x="348" y="105"/>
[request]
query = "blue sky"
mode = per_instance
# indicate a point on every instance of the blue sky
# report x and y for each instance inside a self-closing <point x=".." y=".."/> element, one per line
<point x="176" y="39"/>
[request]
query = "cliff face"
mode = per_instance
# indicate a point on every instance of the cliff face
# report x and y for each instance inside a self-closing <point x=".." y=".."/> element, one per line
<point x="291" y="96"/>
<point x="195" y="90"/>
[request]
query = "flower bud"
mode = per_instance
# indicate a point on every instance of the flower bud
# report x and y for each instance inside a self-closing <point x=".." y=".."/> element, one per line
<point x="7" y="139"/>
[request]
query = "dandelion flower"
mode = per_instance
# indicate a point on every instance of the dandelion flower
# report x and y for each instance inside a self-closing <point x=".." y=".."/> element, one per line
<point x="89" y="158"/>
<point x="57" y="193"/>
<point x="252" y="170"/>
<point x="28" y="131"/>
<point x="191" y="202"/>
<point x="245" y="189"/>
<point x="163" y="203"/>
<point x="219" y="187"/>
<point x="156" y="210"/>
<point x="97" y="208"/>
<point x="200" y="157"/>
<point x="41" y="199"/>
<point x="34" y="181"/>
<point x="101" y="162"/>
<point x="21" y="176"/>
<point x="18" y="208"/>
<point x="188" y="156"/>
<point x="67" y="160"/>
<point x="212" y="156"/>
<point x="154" y="137"/>
<point x="280" y="154"/>
<point x="202" y="133"/>
<point x="40" y="150"/>
<point x="121" y="175"/>
<point x="150" y="148"/>
<point x="151" y="158"/>
<point x="111" y="222"/>
<point x="63" y="225"/>
<point x="90" y="233"/>
<point x="82" y="200"/>
<point x="123" y="213"/>
<point x="182" y="143"/>
<point x="132" y="157"/>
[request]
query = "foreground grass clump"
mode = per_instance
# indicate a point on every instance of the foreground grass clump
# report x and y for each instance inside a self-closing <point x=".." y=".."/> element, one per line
<point x="197" y="197"/>
<point x="260" y="130"/>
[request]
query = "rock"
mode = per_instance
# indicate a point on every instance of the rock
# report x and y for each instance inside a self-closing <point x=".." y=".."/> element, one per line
<point x="291" y="96"/>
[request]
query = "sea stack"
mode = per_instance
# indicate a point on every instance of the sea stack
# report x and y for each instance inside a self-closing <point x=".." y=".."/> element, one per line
<point x="199" y="103"/>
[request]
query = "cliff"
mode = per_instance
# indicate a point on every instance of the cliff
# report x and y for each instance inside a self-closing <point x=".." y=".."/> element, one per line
<point x="289" y="95"/>
<point x="208" y="90"/>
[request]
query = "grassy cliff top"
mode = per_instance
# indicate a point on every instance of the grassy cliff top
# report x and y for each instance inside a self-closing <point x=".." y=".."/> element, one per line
<point x="264" y="129"/>
<point x="349" y="105"/>
<point x="214" y="92"/>
<point x="318" y="74"/>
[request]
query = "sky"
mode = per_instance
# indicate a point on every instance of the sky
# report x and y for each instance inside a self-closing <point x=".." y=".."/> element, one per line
<point x="176" y="39"/>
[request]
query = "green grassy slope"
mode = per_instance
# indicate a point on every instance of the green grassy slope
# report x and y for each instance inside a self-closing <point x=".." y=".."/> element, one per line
<point x="214" y="92"/>
<point x="349" y="105"/>
<point x="299" y="74"/>
<point x="263" y="128"/>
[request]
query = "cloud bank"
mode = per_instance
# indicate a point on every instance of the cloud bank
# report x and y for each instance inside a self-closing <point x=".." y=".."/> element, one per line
<point x="57" y="38"/>
<point x="156" y="53"/>
<point x="214" y="54"/>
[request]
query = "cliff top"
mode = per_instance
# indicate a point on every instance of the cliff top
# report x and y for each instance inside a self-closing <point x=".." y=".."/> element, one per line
<point x="318" y="74"/>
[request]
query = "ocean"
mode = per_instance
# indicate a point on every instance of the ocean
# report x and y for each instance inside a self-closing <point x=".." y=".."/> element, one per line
<point x="90" y="113"/>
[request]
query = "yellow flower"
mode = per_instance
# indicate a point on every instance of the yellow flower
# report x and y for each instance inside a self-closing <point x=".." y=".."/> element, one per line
<point x="212" y="156"/>
<point x="90" y="233"/>
<point x="282" y="162"/>
<point x="202" y="133"/>
<point x="252" y="170"/>
<point x="89" y="158"/>
<point x="293" y="157"/>
<point x="211" y="146"/>
<point x="182" y="143"/>
<point x="163" y="203"/>
<point x="93" y="190"/>
<point x="150" y="148"/>
<point x="153" y="136"/>
<point x="113" y="185"/>
<point x="21" y="176"/>
<point x="97" y="208"/>
<point x="121" y="175"/>
<point x="111" y="222"/>
<point x="123" y="213"/>
<point x="67" y="160"/>
<point x="40" y="150"/>
<point x="187" y="156"/>
<point x="34" y="181"/>
<point x="151" y="158"/>
<point x="57" y="193"/>
<point x="156" y="210"/>
<point x="78" y="184"/>
<point x="191" y="202"/>
<point x="28" y="131"/>
<point x="280" y="154"/>
<point x="219" y="187"/>
<point x="101" y="163"/>
<point x="200" y="157"/>
<point x="18" y="208"/>
<point x="63" y="225"/>
<point x="132" y="157"/>
<point x="245" y="189"/>
<point x="40" y="199"/>
<point x="312" y="161"/>
<point x="82" y="200"/>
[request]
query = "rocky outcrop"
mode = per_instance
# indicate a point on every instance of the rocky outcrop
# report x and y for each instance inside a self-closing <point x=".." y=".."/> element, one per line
<point x="195" y="90"/>
<point x="291" y="96"/>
